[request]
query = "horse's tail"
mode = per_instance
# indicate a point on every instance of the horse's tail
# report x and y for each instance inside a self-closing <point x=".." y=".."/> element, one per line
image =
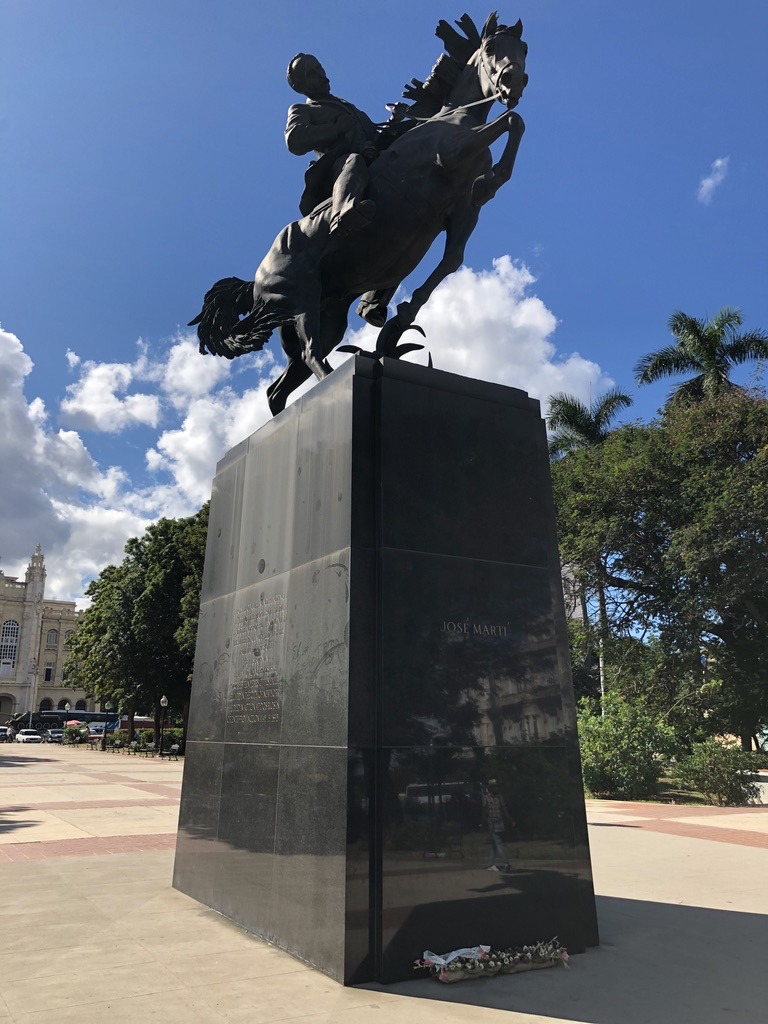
<point x="221" y="330"/>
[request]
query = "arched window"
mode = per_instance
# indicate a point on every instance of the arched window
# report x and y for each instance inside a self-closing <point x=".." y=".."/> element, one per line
<point x="68" y="635"/>
<point x="46" y="705"/>
<point x="62" y="704"/>
<point x="9" y="643"/>
<point x="80" y="706"/>
<point x="53" y="638"/>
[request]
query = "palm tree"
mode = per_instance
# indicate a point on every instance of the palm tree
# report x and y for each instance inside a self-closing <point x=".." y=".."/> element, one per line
<point x="710" y="350"/>
<point x="577" y="426"/>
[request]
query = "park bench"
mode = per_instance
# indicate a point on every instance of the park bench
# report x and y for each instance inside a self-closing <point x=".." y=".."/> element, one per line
<point x="171" y="752"/>
<point x="148" y="750"/>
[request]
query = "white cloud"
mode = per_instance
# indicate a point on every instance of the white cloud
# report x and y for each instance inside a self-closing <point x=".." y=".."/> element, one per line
<point x="717" y="175"/>
<point x="187" y="376"/>
<point x="93" y="401"/>
<point x="95" y="537"/>
<point x="485" y="324"/>
<point x="212" y="425"/>
<point x="48" y="481"/>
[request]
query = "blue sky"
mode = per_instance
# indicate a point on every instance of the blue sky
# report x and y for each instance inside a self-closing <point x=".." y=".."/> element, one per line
<point x="143" y="158"/>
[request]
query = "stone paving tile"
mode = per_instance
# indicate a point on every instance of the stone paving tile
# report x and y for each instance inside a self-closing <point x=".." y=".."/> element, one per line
<point x="24" y="827"/>
<point x="74" y="793"/>
<point x="168" y="1006"/>
<point x="145" y="819"/>
<point x="650" y="810"/>
<point x="194" y="967"/>
<point x="278" y="998"/>
<point x="72" y="961"/>
<point x="749" y="820"/>
<point x="258" y="960"/>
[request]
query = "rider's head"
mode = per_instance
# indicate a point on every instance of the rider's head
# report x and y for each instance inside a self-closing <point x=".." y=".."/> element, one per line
<point x="306" y="75"/>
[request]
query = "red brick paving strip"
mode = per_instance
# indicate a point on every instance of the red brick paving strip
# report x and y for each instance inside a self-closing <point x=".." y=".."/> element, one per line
<point x="664" y="818"/>
<point x="90" y="847"/>
<point x="79" y="805"/>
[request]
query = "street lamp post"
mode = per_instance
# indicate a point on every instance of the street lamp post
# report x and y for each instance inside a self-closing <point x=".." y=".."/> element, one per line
<point x="107" y="707"/>
<point x="67" y="706"/>
<point x="163" y="705"/>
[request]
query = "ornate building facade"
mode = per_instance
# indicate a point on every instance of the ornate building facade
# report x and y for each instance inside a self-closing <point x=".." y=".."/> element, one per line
<point x="34" y="643"/>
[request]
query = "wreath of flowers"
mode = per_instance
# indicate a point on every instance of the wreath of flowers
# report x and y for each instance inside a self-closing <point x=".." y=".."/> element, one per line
<point x="484" y="962"/>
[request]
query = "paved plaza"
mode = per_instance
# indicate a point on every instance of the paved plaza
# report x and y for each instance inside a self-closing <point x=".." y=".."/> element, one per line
<point x="90" y="927"/>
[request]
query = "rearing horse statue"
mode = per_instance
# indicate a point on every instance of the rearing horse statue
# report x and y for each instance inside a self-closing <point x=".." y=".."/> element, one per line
<point x="434" y="177"/>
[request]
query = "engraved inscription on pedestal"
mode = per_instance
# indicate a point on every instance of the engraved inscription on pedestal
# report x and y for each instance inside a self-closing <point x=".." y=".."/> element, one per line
<point x="256" y="677"/>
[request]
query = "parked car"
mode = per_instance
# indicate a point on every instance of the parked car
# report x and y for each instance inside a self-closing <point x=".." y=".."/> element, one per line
<point x="3" y="733"/>
<point x="28" y="736"/>
<point x="53" y="736"/>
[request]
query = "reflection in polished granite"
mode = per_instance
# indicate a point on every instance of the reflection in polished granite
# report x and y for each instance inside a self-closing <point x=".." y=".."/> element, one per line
<point x="439" y="858"/>
<point x="382" y="653"/>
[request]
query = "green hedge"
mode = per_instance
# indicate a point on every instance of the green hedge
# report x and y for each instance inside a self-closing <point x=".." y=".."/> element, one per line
<point x="624" y="750"/>
<point x="722" y="772"/>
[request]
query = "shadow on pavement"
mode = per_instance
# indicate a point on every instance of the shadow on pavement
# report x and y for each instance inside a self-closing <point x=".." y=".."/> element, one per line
<point x="658" y="962"/>
<point x="19" y="760"/>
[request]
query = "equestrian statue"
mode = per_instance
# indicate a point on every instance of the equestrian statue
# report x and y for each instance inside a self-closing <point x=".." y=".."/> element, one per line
<point x="374" y="202"/>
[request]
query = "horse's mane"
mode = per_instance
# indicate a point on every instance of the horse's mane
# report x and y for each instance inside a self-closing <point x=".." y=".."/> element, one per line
<point x="428" y="97"/>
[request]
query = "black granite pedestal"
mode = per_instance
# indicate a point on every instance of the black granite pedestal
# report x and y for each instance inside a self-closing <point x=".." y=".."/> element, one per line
<point x="382" y="652"/>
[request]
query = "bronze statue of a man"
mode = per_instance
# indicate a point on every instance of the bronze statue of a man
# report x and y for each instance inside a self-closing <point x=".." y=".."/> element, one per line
<point x="344" y="139"/>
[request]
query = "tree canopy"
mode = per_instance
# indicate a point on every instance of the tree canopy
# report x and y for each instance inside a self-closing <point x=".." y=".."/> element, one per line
<point x="136" y="640"/>
<point x="671" y="518"/>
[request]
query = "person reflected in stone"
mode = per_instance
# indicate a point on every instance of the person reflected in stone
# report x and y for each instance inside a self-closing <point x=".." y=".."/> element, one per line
<point x="496" y="819"/>
<point x="344" y="139"/>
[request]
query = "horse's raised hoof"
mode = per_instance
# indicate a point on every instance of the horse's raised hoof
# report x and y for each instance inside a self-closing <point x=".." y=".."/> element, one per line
<point x="387" y="343"/>
<point x="357" y="216"/>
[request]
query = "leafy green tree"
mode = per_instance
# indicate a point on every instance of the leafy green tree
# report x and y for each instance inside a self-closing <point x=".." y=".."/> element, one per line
<point x="577" y="427"/>
<point x="192" y="541"/>
<point x="708" y="349"/>
<point x="624" y="748"/>
<point x="721" y="771"/>
<point x="133" y="644"/>
<point x="674" y="516"/>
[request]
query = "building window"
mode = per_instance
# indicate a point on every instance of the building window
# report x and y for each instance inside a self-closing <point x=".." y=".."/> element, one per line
<point x="80" y="706"/>
<point x="9" y="642"/>
<point x="68" y="635"/>
<point x="46" y="705"/>
<point x="531" y="727"/>
<point x="61" y="706"/>
<point x="50" y="671"/>
<point x="53" y="638"/>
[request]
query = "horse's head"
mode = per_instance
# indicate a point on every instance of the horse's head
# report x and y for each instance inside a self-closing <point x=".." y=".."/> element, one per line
<point x="501" y="61"/>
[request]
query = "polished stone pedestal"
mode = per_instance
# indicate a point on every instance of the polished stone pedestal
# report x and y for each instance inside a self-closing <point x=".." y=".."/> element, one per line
<point x="382" y="647"/>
